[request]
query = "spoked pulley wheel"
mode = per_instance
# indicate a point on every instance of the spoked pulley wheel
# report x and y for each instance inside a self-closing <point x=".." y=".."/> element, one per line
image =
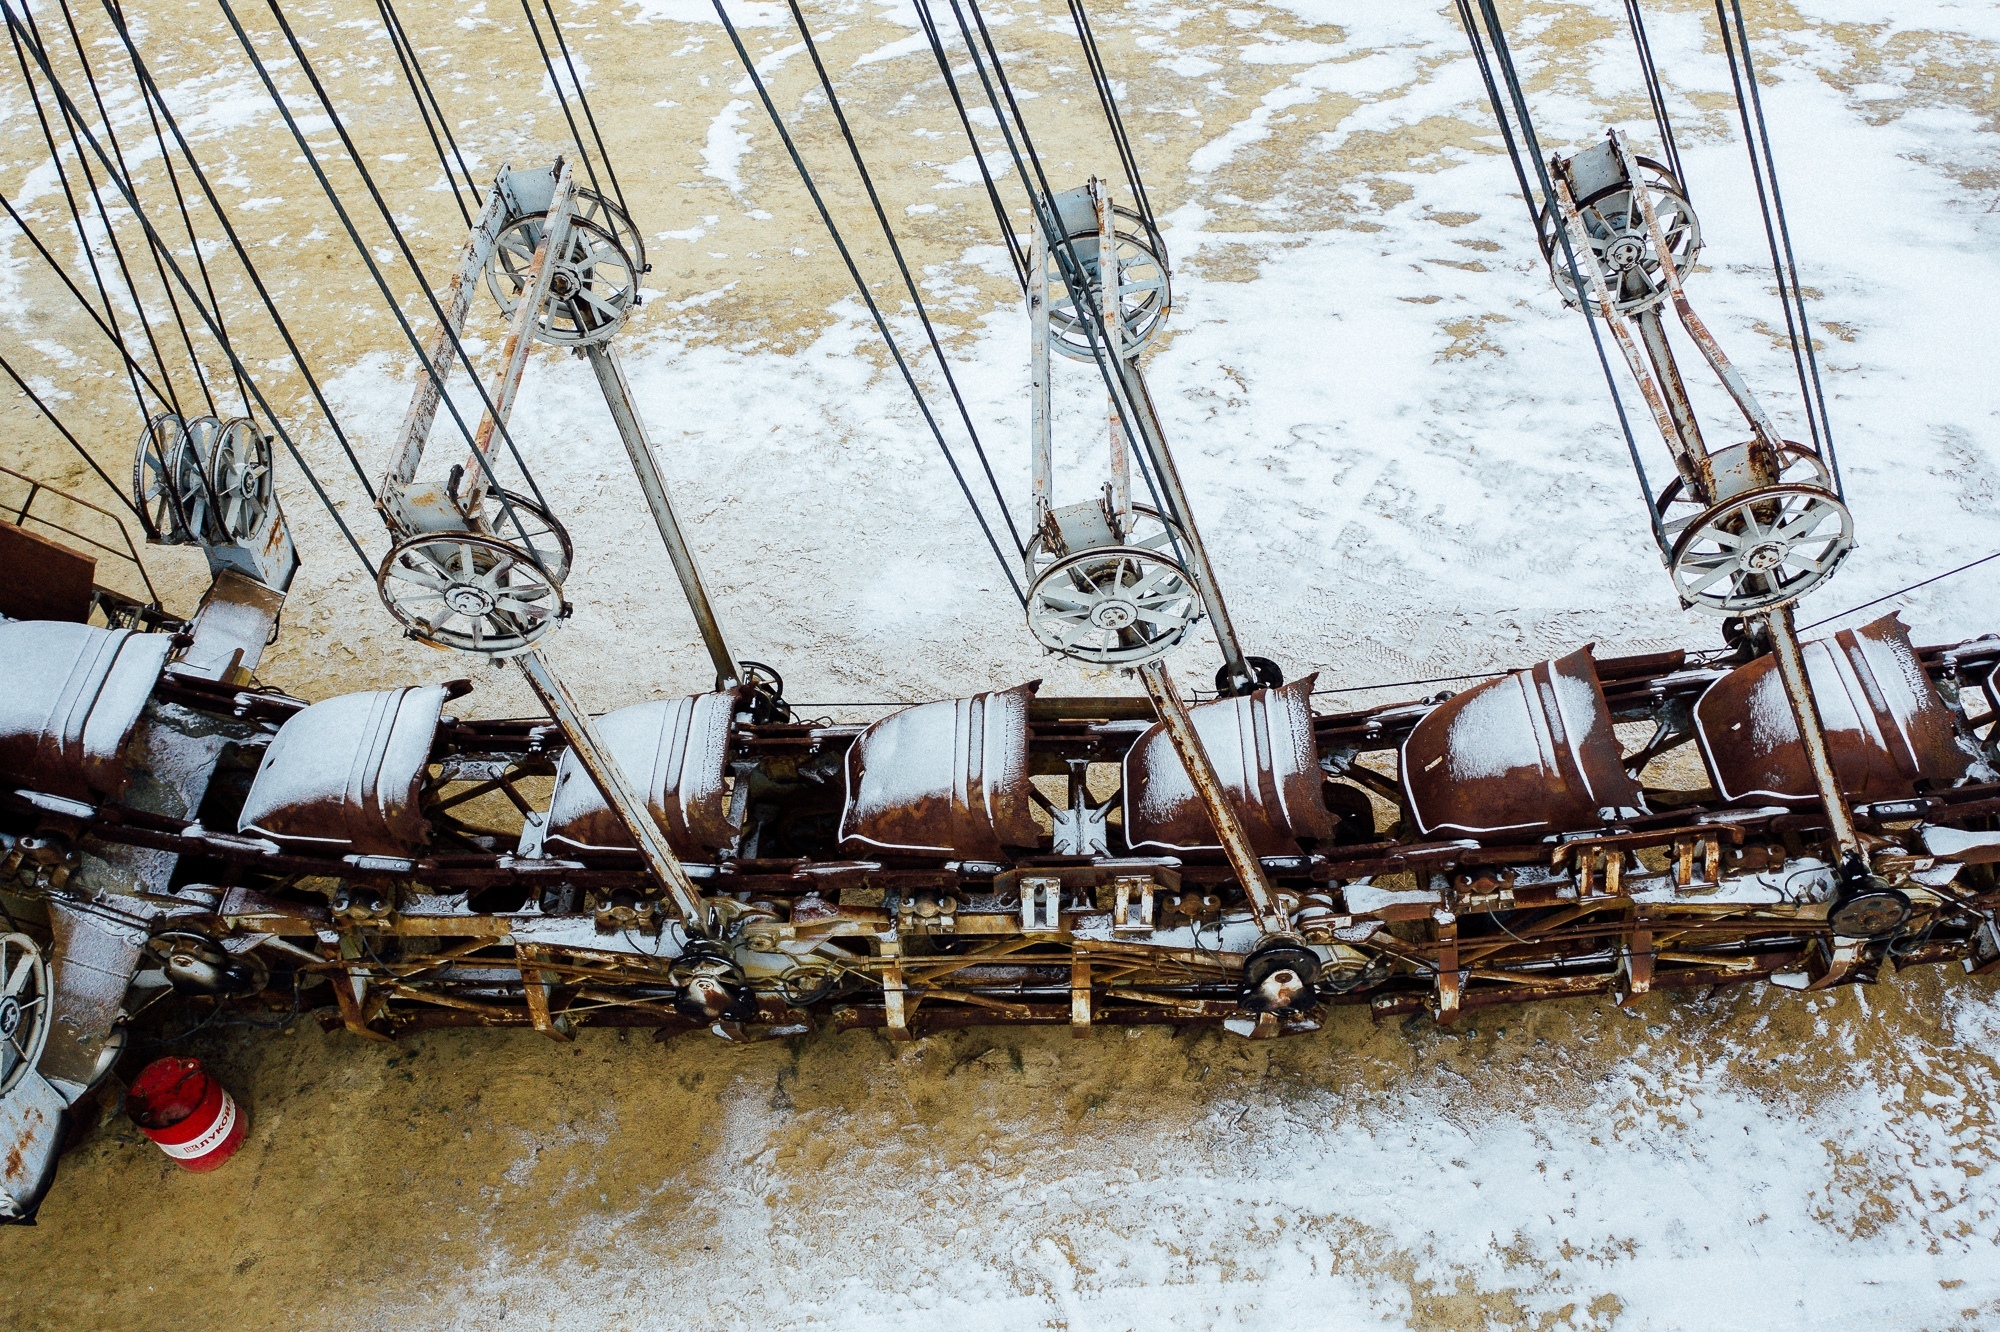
<point x="1761" y="549"/>
<point x="240" y="476"/>
<point x="537" y="530"/>
<point x="152" y="484"/>
<point x="470" y="592"/>
<point x="188" y="472"/>
<point x="25" y="997"/>
<point x="1145" y="293"/>
<point x="595" y="208"/>
<point x="594" y="285"/>
<point x="1621" y="241"/>
<point x="1113" y="605"/>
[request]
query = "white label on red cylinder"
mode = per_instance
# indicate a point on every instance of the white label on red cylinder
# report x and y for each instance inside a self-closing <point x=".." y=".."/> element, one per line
<point x="201" y="1145"/>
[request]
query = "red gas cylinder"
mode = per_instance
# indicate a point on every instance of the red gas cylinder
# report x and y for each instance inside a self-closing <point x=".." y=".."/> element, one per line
<point x="179" y="1106"/>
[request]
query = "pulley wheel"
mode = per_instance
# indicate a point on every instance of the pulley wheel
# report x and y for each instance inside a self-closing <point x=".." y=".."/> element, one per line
<point x="594" y="285"/>
<point x="1279" y="976"/>
<point x="595" y="208"/>
<point x="193" y="963"/>
<point x="469" y="592"/>
<point x="531" y="527"/>
<point x="1113" y="606"/>
<point x="1622" y="242"/>
<point x="25" y="997"/>
<point x="1145" y="291"/>
<point x="187" y="472"/>
<point x="240" y="476"/>
<point x="1761" y="549"/>
<point x="1873" y="910"/>
<point x="1264" y="674"/>
<point x="152" y="487"/>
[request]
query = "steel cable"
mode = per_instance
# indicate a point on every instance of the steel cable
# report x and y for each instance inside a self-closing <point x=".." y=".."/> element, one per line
<point x="1007" y="235"/>
<point x="532" y="551"/>
<point x="583" y="100"/>
<point x="150" y="88"/>
<point x="116" y="333"/>
<point x="1777" y="232"/>
<point x="909" y="282"/>
<point x="133" y="370"/>
<point x="72" y="122"/>
<point x="562" y="99"/>
<point x="1063" y="251"/>
<point x="1504" y="57"/>
<point x="56" y="421"/>
<point x="187" y="222"/>
<point x="868" y="298"/>
<point x="125" y="170"/>
<point x="132" y="202"/>
<point x="399" y="42"/>
<point x="1655" y="91"/>
<point x="1974" y="564"/>
<point x="1101" y="77"/>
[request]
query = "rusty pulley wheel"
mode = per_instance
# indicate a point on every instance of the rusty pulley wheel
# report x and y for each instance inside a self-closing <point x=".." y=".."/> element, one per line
<point x="188" y="474"/>
<point x="1761" y="549"/>
<point x="241" y="479"/>
<point x="593" y="286"/>
<point x="152" y="484"/>
<point x="1619" y="238"/>
<point x="25" y="997"/>
<point x="1113" y="606"/>
<point x="470" y="592"/>
<point x="1873" y="910"/>
<point x="1145" y="291"/>
<point x="524" y="524"/>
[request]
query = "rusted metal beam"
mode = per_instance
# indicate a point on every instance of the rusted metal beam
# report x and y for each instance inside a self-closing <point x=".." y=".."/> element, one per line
<point x="1167" y="476"/>
<point x="408" y="451"/>
<point x="1812" y="729"/>
<point x="1040" y="449"/>
<point x="1111" y="310"/>
<point x="1208" y="786"/>
<point x="661" y="864"/>
<point x="536" y="986"/>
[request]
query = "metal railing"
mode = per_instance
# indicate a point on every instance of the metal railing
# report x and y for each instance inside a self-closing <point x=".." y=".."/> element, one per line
<point x="20" y="515"/>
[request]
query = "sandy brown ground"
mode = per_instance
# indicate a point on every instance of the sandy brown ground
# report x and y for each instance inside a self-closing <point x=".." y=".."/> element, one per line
<point x="376" y="1179"/>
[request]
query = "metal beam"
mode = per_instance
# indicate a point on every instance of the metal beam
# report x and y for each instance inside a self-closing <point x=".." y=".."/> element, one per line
<point x="623" y="798"/>
<point x="1812" y="729"/>
<point x="618" y="397"/>
<point x="1208" y="785"/>
<point x="1168" y="477"/>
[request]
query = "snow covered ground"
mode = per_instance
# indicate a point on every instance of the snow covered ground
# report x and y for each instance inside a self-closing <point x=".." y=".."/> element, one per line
<point x="1406" y="464"/>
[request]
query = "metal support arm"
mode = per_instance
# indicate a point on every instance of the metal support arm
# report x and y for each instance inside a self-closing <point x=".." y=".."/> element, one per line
<point x="661" y="863"/>
<point x="618" y="397"/>
<point x="1229" y="830"/>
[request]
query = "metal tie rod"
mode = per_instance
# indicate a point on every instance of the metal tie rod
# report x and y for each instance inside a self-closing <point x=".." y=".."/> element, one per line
<point x="588" y="746"/>
<point x="645" y="463"/>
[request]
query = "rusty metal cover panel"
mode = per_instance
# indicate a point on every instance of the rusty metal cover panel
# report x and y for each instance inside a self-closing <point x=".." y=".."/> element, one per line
<point x="676" y="751"/>
<point x="42" y="579"/>
<point x="73" y="696"/>
<point x="346" y="776"/>
<point x="1261" y="746"/>
<point x="1530" y="752"/>
<point x="943" y="779"/>
<point x="1886" y="727"/>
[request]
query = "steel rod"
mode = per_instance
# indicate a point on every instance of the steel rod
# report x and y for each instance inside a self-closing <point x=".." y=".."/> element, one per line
<point x="624" y="799"/>
<point x="1208" y="786"/>
<point x="1812" y="729"/>
<point x="618" y="397"/>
